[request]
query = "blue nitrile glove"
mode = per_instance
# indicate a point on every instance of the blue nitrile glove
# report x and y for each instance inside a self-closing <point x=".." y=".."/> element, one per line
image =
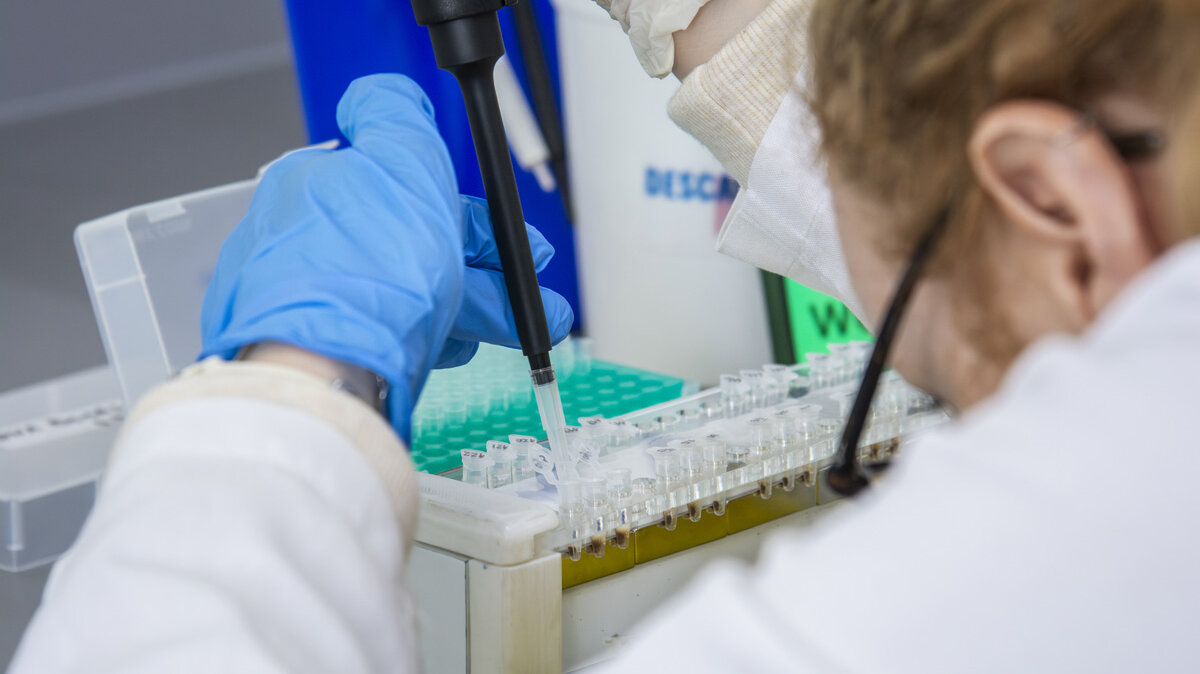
<point x="368" y="254"/>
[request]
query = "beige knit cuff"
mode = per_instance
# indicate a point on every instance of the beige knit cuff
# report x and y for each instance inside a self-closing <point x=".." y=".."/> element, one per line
<point x="728" y="103"/>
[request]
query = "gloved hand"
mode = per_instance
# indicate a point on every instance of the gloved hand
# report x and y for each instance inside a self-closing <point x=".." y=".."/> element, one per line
<point x="650" y="25"/>
<point x="368" y="255"/>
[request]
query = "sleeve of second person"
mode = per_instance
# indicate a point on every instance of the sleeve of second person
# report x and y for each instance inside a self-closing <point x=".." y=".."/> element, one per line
<point x="253" y="519"/>
<point x="747" y="105"/>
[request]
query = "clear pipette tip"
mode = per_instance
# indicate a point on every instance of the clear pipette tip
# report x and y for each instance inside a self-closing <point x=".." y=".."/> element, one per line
<point x="549" y="403"/>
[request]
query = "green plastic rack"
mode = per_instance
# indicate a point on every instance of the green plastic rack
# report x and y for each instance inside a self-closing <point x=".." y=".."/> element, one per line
<point x="491" y="397"/>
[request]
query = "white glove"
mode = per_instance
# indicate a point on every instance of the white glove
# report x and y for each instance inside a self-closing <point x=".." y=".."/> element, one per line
<point x="650" y="25"/>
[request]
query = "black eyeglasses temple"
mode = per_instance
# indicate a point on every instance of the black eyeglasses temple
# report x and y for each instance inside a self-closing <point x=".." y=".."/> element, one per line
<point x="1136" y="146"/>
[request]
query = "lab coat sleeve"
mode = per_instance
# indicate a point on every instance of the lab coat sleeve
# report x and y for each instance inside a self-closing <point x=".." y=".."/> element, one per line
<point x="748" y="106"/>
<point x="253" y="520"/>
<point x="728" y="103"/>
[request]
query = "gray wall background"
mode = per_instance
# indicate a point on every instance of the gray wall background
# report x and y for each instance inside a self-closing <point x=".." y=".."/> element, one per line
<point x="105" y="105"/>
<point x="58" y="55"/>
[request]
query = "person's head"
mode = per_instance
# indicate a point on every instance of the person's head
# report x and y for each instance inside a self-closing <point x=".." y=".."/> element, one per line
<point x="999" y="111"/>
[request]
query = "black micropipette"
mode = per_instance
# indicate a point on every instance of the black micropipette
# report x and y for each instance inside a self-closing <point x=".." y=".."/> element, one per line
<point x="467" y="42"/>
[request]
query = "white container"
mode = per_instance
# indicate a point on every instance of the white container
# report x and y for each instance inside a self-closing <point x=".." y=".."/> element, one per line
<point x="649" y="202"/>
<point x="147" y="269"/>
<point x="54" y="442"/>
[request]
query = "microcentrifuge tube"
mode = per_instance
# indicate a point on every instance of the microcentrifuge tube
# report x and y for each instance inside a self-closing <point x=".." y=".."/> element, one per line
<point x="710" y="411"/>
<point x="819" y="371"/>
<point x="753" y="379"/>
<point x="737" y="460"/>
<point x="896" y="398"/>
<point x="623" y="432"/>
<point x="667" y="423"/>
<point x="777" y="380"/>
<point x="620" y="492"/>
<point x="798" y="434"/>
<point x="598" y="432"/>
<point x="583" y="355"/>
<point x="523" y="447"/>
<point x="570" y="510"/>
<point x="830" y="431"/>
<point x="475" y="466"/>
<point x="573" y="449"/>
<point x="570" y="498"/>
<point x="691" y="463"/>
<point x="762" y="447"/>
<point x="668" y="483"/>
<point x="841" y="357"/>
<point x="500" y="472"/>
<point x="435" y="420"/>
<point x="594" y="495"/>
<point x="562" y="357"/>
<point x="713" y="450"/>
<point x="886" y="420"/>
<point x="522" y="441"/>
<point x="478" y="406"/>
<point x="860" y="354"/>
<point x="799" y="386"/>
<point x="733" y="396"/>
<point x="644" y="502"/>
<point x="646" y="429"/>
<point x="456" y="412"/>
<point x="844" y="400"/>
<point x="875" y="432"/>
<point x="688" y="418"/>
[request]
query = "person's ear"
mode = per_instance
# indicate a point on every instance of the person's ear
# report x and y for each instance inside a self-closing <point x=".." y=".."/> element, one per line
<point x="1057" y="180"/>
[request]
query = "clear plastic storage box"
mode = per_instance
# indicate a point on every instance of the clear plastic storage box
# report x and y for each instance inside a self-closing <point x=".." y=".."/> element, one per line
<point x="146" y="269"/>
<point x="54" y="442"/>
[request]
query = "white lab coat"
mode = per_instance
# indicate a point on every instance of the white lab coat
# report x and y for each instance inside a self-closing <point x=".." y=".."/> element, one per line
<point x="1051" y="529"/>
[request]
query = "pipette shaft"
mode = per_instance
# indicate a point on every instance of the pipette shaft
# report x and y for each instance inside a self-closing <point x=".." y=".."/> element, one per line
<point x="467" y="43"/>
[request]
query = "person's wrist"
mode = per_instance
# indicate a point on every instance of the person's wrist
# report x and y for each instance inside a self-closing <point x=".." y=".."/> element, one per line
<point x="352" y="379"/>
<point x="717" y="22"/>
